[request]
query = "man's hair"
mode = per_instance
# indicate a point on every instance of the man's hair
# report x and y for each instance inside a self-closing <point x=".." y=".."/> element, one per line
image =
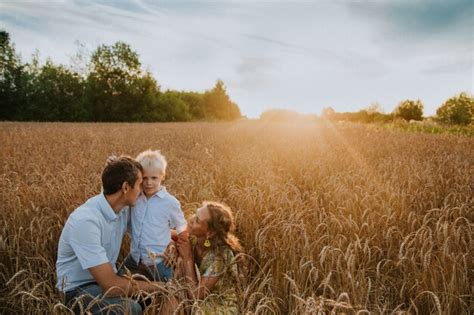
<point x="152" y="160"/>
<point x="119" y="170"/>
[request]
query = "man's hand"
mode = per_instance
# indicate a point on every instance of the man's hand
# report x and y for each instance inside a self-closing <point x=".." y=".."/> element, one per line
<point x="170" y="255"/>
<point x="183" y="235"/>
<point x="110" y="159"/>
<point x="115" y="285"/>
<point x="184" y="248"/>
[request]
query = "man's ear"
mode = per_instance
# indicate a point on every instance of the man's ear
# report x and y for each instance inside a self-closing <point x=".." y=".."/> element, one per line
<point x="125" y="187"/>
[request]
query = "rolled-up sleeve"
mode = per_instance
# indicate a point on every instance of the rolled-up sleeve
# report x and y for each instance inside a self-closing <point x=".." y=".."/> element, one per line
<point x="177" y="218"/>
<point x="86" y="243"/>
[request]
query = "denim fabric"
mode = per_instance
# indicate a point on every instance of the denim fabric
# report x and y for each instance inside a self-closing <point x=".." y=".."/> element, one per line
<point x="88" y="298"/>
<point x="157" y="272"/>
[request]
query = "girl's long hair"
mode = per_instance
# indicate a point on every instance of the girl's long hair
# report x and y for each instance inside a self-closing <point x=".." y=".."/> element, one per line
<point x="222" y="223"/>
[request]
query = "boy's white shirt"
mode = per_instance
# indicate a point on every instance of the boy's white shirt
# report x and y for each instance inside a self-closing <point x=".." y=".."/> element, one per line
<point x="151" y="221"/>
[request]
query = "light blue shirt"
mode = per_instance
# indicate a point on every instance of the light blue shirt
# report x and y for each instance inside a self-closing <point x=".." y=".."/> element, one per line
<point x="91" y="236"/>
<point x="151" y="221"/>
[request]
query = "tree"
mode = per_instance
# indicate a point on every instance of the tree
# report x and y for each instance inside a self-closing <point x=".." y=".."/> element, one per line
<point x="195" y="101"/>
<point x="79" y="62"/>
<point x="117" y="88"/>
<point x="458" y="109"/>
<point x="13" y="80"/>
<point x="110" y="87"/>
<point x="172" y="108"/>
<point x="409" y="110"/>
<point x="56" y="95"/>
<point x="218" y="105"/>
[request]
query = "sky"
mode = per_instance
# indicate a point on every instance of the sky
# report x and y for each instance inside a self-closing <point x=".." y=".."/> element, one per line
<point x="297" y="55"/>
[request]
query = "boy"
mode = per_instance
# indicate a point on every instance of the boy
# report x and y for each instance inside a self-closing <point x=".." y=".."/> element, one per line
<point x="152" y="218"/>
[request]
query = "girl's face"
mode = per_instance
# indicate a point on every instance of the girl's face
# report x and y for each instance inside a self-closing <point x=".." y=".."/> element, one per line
<point x="197" y="224"/>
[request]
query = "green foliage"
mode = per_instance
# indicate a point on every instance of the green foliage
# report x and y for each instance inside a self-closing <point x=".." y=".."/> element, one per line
<point x="116" y="86"/>
<point x="409" y="110"/>
<point x="217" y="104"/>
<point x="172" y="108"/>
<point x="457" y="110"/>
<point x="428" y="126"/>
<point x="56" y="93"/>
<point x="110" y="87"/>
<point x="362" y="116"/>
<point x="195" y="102"/>
<point x="13" y="79"/>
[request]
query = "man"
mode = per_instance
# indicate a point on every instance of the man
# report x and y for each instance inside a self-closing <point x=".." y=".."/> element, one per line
<point x="90" y="244"/>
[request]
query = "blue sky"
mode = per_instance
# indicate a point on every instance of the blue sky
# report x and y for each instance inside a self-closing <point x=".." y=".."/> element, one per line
<point x="300" y="55"/>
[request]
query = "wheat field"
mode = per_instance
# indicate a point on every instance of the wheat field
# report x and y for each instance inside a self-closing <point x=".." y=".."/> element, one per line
<point x="334" y="218"/>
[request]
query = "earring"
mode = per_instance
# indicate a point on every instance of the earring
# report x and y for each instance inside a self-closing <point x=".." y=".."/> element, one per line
<point x="207" y="243"/>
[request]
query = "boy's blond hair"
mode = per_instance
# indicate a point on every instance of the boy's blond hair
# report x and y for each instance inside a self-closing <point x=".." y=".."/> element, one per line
<point x="154" y="160"/>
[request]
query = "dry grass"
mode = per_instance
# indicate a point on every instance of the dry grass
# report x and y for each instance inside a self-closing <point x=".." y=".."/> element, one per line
<point x="337" y="219"/>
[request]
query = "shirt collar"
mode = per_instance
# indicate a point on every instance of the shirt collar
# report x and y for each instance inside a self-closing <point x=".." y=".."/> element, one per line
<point x="160" y="193"/>
<point x="106" y="209"/>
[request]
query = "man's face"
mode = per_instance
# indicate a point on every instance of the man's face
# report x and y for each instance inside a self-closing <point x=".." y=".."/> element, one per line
<point x="134" y="192"/>
<point x="152" y="181"/>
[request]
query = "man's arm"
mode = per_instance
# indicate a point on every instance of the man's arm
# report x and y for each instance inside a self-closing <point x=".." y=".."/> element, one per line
<point x="92" y="256"/>
<point x="115" y="285"/>
<point x="174" y="235"/>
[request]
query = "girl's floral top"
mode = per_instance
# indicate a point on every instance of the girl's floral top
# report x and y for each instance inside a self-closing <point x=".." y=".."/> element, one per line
<point x="220" y="262"/>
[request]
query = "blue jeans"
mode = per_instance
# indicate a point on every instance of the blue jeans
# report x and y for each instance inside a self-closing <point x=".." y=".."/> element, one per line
<point x="157" y="272"/>
<point x="88" y="298"/>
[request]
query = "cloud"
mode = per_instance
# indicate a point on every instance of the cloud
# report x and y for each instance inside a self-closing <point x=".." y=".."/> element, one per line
<point x="463" y="65"/>
<point x="44" y="17"/>
<point x="419" y="19"/>
<point x="270" y="53"/>
<point x="254" y="73"/>
<point x="273" y="41"/>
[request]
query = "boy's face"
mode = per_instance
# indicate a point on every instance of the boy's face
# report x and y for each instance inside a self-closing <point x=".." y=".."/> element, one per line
<point x="152" y="181"/>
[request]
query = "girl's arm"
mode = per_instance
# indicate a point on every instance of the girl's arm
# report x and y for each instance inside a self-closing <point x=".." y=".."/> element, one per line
<point x="198" y="289"/>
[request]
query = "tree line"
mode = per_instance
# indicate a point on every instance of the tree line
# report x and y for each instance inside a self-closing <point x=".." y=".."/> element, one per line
<point x="113" y="87"/>
<point x="457" y="110"/>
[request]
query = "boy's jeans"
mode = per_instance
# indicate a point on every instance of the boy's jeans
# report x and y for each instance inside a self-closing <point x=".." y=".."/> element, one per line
<point x="158" y="272"/>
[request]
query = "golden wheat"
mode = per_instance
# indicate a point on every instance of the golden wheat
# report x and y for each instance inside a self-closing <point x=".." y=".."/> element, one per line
<point x="334" y="218"/>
